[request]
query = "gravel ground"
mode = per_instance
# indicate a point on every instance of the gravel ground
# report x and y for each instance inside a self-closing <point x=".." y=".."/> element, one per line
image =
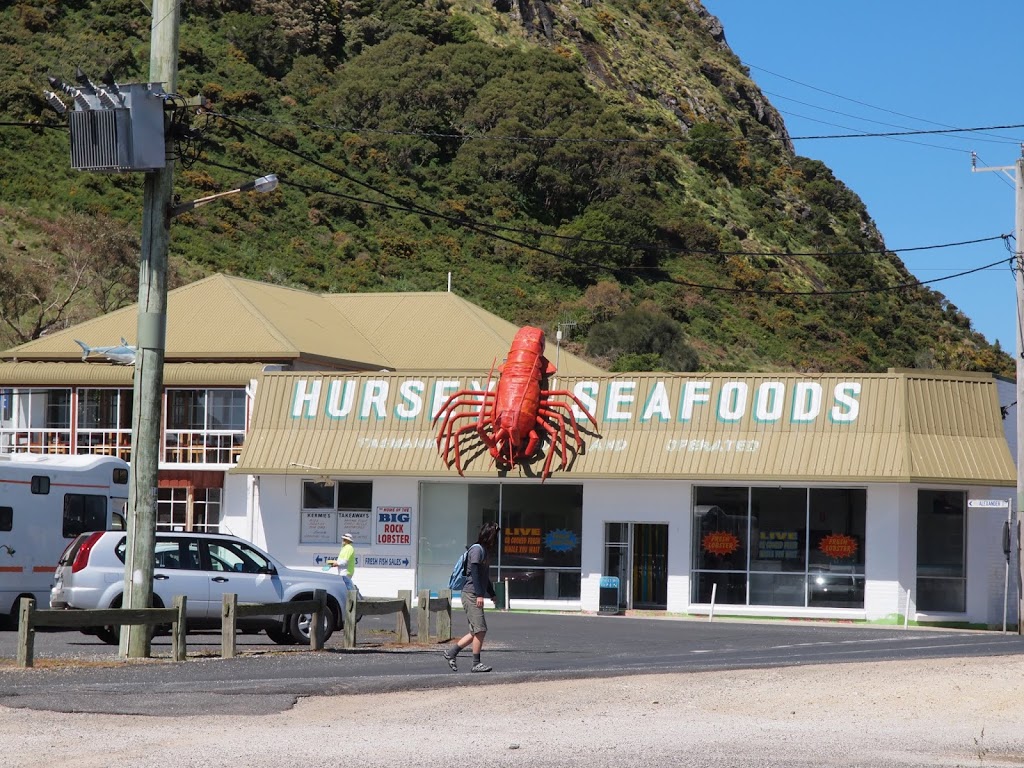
<point x="967" y="712"/>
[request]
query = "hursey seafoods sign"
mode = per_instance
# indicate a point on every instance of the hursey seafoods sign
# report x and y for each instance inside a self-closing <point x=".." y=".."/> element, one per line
<point x="610" y="401"/>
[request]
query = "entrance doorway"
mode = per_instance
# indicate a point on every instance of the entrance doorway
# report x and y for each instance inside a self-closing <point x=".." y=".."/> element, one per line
<point x="637" y="555"/>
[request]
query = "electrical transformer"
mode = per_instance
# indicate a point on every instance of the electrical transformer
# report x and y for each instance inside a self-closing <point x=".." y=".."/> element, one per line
<point x="116" y="128"/>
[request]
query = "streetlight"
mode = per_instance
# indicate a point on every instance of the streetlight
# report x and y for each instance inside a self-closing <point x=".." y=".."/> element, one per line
<point x="148" y="393"/>
<point x="263" y="184"/>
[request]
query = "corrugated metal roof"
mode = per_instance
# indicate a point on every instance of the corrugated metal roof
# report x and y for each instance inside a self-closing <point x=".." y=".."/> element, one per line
<point x="109" y="375"/>
<point x="224" y="318"/>
<point x="865" y="428"/>
<point x="230" y="318"/>
<point x="415" y="332"/>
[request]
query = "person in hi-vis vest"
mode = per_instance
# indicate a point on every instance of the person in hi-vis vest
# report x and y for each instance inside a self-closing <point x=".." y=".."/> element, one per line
<point x="346" y="561"/>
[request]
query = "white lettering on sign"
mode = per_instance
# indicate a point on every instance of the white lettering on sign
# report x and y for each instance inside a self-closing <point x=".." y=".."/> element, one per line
<point x="310" y="399"/>
<point x="339" y="399"/>
<point x="657" y="404"/>
<point x="617" y="400"/>
<point x="411" y="394"/>
<point x="701" y="445"/>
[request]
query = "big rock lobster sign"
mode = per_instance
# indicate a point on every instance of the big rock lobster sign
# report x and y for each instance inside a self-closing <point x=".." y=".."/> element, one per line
<point x="512" y="420"/>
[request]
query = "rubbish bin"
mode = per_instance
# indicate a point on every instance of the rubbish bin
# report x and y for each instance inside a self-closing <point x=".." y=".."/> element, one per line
<point x="608" y="600"/>
<point x="500" y="596"/>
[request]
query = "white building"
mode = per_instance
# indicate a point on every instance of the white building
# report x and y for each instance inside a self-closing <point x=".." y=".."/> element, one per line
<point x="303" y="416"/>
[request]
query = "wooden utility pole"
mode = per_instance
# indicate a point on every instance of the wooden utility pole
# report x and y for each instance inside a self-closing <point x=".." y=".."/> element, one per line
<point x="1017" y="171"/>
<point x="149" y="359"/>
<point x="1018" y="270"/>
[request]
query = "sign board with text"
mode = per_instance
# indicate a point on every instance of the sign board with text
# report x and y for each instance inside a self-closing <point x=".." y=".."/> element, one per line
<point x="394" y="525"/>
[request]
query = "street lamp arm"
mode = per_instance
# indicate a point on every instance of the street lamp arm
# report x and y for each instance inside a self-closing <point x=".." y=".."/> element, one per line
<point x="263" y="184"/>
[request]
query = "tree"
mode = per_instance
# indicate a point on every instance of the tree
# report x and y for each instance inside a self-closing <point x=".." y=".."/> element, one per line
<point x="642" y="336"/>
<point x="84" y="266"/>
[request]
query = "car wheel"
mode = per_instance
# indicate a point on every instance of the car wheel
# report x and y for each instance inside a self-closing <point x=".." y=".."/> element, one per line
<point x="160" y="629"/>
<point x="109" y="635"/>
<point x="299" y="625"/>
<point x="280" y="635"/>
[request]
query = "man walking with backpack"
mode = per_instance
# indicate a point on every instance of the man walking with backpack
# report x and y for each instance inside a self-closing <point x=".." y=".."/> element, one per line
<point x="478" y="584"/>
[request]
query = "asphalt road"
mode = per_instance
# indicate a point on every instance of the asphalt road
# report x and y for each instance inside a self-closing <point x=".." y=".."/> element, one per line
<point x="78" y="673"/>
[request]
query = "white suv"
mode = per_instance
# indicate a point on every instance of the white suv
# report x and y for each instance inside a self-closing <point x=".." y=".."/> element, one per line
<point x="202" y="567"/>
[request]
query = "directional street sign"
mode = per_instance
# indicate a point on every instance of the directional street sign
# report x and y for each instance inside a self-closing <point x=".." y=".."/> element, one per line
<point x="386" y="562"/>
<point x="988" y="503"/>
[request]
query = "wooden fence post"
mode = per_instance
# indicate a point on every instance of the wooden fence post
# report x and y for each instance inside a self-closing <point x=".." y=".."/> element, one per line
<point x="403" y="628"/>
<point x="423" y="616"/>
<point x="316" y="625"/>
<point x="26" y="632"/>
<point x="351" y="617"/>
<point x="444" y="617"/>
<point x="179" y="630"/>
<point x="228" y="616"/>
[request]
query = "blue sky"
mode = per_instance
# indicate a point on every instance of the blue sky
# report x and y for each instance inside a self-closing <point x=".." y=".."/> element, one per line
<point x="841" y="67"/>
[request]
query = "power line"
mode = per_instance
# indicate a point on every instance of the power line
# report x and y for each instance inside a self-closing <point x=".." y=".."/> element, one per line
<point x="484" y="230"/>
<point x="595" y="140"/>
<point x="29" y="124"/>
<point x="410" y="207"/>
<point x="856" y="101"/>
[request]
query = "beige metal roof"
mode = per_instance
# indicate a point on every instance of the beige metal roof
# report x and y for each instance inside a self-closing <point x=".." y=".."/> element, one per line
<point x="440" y="331"/>
<point x="109" y="375"/>
<point x="864" y="428"/>
<point x="223" y="318"/>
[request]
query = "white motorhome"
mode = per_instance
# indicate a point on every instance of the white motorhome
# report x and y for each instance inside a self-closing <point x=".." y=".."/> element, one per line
<point x="45" y="501"/>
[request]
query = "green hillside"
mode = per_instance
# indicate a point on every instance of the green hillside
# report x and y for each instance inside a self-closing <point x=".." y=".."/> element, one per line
<point x="606" y="165"/>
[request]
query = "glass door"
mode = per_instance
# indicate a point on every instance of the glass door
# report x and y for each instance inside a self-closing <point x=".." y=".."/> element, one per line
<point x="650" y="565"/>
<point x="637" y="555"/>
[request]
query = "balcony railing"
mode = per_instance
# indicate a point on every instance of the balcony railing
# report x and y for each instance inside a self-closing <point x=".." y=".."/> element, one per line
<point x="108" y="442"/>
<point x="53" y="441"/>
<point x="189" y="447"/>
<point x="180" y="446"/>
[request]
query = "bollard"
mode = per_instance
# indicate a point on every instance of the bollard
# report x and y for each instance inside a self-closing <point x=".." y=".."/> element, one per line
<point x="228" y="616"/>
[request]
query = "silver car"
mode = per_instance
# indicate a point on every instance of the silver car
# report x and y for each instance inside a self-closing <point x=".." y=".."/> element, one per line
<point x="202" y="567"/>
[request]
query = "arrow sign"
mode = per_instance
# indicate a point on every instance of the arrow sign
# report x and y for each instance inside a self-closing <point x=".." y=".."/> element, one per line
<point x="988" y="503"/>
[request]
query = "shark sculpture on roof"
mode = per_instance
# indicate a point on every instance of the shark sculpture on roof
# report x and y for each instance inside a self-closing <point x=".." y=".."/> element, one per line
<point x="123" y="353"/>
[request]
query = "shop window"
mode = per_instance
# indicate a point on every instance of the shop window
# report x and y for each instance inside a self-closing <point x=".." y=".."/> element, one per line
<point x="836" y="523"/>
<point x="941" y="551"/>
<point x="720" y="536"/>
<point x="317" y="495"/>
<point x="539" y="548"/>
<point x="331" y="508"/>
<point x="778" y="555"/>
<point x="541" y="535"/>
<point x="779" y="546"/>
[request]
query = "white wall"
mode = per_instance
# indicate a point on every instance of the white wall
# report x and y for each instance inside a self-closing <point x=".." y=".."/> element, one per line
<point x="986" y="564"/>
<point x="266" y="511"/>
<point x="638" y="502"/>
<point x="277" y="526"/>
<point x="886" y="539"/>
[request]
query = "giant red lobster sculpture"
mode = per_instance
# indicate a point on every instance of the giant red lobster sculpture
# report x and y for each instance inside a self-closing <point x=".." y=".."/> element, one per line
<point x="510" y="420"/>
